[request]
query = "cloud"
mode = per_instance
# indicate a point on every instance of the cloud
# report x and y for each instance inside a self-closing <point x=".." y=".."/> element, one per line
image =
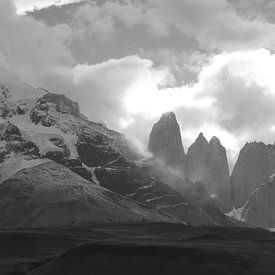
<point x="211" y="25"/>
<point x="241" y="85"/>
<point x="255" y="9"/>
<point x="215" y="24"/>
<point x="112" y="15"/>
<point x="113" y="90"/>
<point x="28" y="47"/>
<point x="181" y="34"/>
<point x="23" y="6"/>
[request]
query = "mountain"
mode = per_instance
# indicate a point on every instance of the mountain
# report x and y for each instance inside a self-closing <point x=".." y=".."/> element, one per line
<point x="259" y="210"/>
<point x="195" y="192"/>
<point x="255" y="164"/>
<point x="165" y="141"/>
<point x="136" y="184"/>
<point x="57" y="167"/>
<point x="207" y="163"/>
<point x="46" y="194"/>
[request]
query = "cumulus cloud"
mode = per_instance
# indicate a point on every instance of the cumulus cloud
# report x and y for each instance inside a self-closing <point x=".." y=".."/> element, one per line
<point x="243" y="89"/>
<point x="23" y="6"/>
<point x="114" y="90"/>
<point x="215" y="24"/>
<point x="255" y="9"/>
<point x="108" y="17"/>
<point x="28" y="47"/>
<point x="181" y="34"/>
<point x="209" y="25"/>
<point x="241" y="86"/>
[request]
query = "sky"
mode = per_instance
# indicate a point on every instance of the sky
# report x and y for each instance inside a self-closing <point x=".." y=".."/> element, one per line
<point x="126" y="62"/>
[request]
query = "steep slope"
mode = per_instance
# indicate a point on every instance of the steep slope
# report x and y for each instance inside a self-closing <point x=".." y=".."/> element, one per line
<point x="198" y="161"/>
<point x="220" y="171"/>
<point x="207" y="163"/>
<point x="49" y="194"/>
<point x="165" y="141"/>
<point x="259" y="210"/>
<point x="196" y="193"/>
<point x="136" y="183"/>
<point x="255" y="164"/>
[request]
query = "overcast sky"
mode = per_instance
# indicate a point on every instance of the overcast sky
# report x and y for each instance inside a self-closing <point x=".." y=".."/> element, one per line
<point x="126" y="62"/>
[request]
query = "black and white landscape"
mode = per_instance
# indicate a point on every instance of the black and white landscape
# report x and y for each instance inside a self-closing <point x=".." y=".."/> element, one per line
<point x="137" y="137"/>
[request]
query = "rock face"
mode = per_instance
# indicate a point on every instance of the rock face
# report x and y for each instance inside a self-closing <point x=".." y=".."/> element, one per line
<point x="207" y="163"/>
<point x="255" y="164"/>
<point x="195" y="192"/>
<point x="94" y="148"/>
<point x="51" y="103"/>
<point x="165" y="141"/>
<point x="8" y="107"/>
<point x="259" y="210"/>
<point x="137" y="184"/>
<point x="5" y="106"/>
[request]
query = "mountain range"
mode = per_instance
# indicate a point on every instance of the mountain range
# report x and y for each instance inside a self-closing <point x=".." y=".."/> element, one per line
<point x="58" y="168"/>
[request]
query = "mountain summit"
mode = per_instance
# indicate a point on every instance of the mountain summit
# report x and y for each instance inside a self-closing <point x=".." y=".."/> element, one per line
<point x="207" y="163"/>
<point x="165" y="140"/>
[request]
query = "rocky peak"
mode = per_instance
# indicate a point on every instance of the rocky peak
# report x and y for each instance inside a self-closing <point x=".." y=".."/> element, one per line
<point x="5" y="91"/>
<point x="215" y="141"/>
<point x="48" y="105"/>
<point x="218" y="152"/>
<point x="169" y="117"/>
<point x="61" y="103"/>
<point x="165" y="140"/>
<point x="200" y="144"/>
<point x="201" y="139"/>
<point x="207" y="163"/>
<point x="15" y="96"/>
<point x="255" y="164"/>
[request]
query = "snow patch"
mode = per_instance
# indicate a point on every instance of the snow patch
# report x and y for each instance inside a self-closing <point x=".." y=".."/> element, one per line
<point x="237" y="214"/>
<point x="40" y="135"/>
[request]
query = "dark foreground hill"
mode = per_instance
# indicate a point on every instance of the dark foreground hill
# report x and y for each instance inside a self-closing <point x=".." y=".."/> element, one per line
<point x="156" y="248"/>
